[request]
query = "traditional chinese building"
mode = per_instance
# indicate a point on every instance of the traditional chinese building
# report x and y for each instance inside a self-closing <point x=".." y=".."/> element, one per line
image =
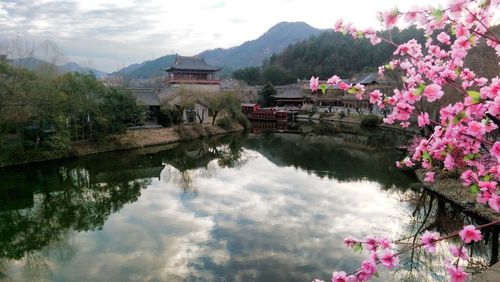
<point x="193" y="73"/>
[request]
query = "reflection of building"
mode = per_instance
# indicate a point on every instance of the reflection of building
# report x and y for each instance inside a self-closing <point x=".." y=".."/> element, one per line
<point x="193" y="72"/>
<point x="262" y="126"/>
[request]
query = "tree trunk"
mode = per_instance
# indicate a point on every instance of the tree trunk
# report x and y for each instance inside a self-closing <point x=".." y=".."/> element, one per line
<point x="214" y="117"/>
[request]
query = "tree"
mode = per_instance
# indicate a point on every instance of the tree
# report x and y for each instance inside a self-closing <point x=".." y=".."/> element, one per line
<point x="266" y="95"/>
<point x="464" y="135"/>
<point x="251" y="75"/>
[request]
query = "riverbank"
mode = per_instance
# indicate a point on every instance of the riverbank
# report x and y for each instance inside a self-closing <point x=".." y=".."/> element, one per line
<point x="132" y="139"/>
<point x="349" y="120"/>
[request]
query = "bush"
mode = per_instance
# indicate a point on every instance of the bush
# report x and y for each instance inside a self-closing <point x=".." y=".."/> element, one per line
<point x="370" y="121"/>
<point x="224" y="123"/>
<point x="243" y="120"/>
<point x="341" y="115"/>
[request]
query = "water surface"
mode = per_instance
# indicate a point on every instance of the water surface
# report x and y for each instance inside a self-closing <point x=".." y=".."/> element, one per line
<point x="271" y="207"/>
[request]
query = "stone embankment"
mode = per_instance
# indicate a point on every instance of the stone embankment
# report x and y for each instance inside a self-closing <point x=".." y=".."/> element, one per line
<point x="138" y="139"/>
<point x="148" y="137"/>
<point x="452" y="190"/>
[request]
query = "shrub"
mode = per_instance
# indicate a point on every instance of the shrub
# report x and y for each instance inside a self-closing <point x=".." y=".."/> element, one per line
<point x="224" y="123"/>
<point x="370" y="121"/>
<point x="342" y="115"/>
<point x="243" y="120"/>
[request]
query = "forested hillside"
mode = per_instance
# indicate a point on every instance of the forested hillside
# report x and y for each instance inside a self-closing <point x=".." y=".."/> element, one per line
<point x="323" y="55"/>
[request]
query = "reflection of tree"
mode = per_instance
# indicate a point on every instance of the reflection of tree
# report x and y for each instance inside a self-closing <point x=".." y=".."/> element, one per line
<point x="325" y="157"/>
<point x="65" y="200"/>
<point x="433" y="213"/>
<point x="188" y="160"/>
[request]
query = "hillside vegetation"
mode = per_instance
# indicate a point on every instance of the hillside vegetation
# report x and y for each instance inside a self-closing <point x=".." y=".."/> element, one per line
<point x="323" y="55"/>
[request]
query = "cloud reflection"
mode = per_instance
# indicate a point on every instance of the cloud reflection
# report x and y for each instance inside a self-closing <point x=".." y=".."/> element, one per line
<point x="257" y="221"/>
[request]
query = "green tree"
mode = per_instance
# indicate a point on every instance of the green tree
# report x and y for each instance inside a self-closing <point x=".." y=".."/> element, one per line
<point x="251" y="75"/>
<point x="266" y="93"/>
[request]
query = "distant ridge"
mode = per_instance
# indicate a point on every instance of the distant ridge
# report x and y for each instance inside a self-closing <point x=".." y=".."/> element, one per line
<point x="32" y="63"/>
<point x="250" y="53"/>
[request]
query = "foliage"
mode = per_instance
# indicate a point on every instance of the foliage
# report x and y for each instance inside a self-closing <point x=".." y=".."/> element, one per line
<point x="168" y="117"/>
<point x="370" y="121"/>
<point x="464" y="136"/>
<point x="243" y="121"/>
<point x="266" y="93"/>
<point x="40" y="115"/>
<point x="329" y="52"/>
<point x="251" y="75"/>
<point x="225" y="123"/>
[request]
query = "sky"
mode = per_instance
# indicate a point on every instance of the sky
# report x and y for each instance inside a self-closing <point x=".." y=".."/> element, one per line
<point x="109" y="35"/>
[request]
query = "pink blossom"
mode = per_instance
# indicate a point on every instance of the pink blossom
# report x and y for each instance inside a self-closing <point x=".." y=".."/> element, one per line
<point x="495" y="150"/>
<point x="390" y="18"/>
<point x="423" y="119"/>
<point x="369" y="267"/>
<point x="385" y="243"/>
<point x="408" y="162"/>
<point x="340" y="276"/>
<point x="443" y="38"/>
<point x="375" y="96"/>
<point x="349" y="242"/>
<point x="429" y="176"/>
<point x="457" y="274"/>
<point x="433" y="92"/>
<point x="338" y="25"/>
<point x="334" y="80"/>
<point x="449" y="164"/>
<point x="483" y="197"/>
<point x="314" y="83"/>
<point x="468" y="177"/>
<point x="469" y="234"/>
<point x="344" y="86"/>
<point x="389" y="259"/>
<point x="428" y="241"/>
<point x="476" y="129"/>
<point x="494" y="202"/>
<point x="489" y="186"/>
<point x="458" y="252"/>
<point x="371" y="243"/>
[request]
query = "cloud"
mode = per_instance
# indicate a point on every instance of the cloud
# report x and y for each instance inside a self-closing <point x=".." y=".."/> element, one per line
<point x="136" y="29"/>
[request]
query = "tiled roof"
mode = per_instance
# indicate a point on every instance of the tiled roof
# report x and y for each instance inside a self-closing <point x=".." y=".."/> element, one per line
<point x="146" y="96"/>
<point x="289" y="91"/>
<point x="191" y="63"/>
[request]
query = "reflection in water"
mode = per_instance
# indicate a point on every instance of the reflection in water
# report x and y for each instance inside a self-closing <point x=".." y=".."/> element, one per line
<point x="272" y="207"/>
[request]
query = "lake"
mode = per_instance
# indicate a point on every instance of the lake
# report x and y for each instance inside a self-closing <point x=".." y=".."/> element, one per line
<point x="273" y="206"/>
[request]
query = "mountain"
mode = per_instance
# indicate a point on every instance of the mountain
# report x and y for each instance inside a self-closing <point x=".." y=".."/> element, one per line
<point x="147" y="69"/>
<point x="250" y="53"/>
<point x="74" y="67"/>
<point x="32" y="63"/>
